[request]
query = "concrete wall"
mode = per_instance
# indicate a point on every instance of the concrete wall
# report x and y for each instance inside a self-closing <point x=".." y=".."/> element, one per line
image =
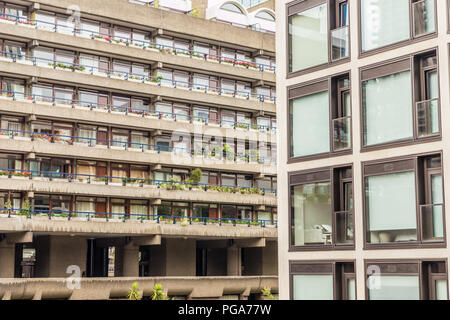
<point x="7" y="259"/>
<point x="180" y="257"/>
<point x="55" y="253"/>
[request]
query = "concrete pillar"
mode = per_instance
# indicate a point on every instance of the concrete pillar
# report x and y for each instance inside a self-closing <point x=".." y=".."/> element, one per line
<point x="7" y="259"/>
<point x="233" y="261"/>
<point x="130" y="260"/>
<point x="180" y="257"/>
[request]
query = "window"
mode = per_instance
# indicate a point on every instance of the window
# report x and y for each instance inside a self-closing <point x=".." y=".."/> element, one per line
<point x="313" y="130"/>
<point x="231" y="7"/>
<point x="380" y="18"/>
<point x="322" y="27"/>
<point x="321" y="209"/>
<point x="390" y="100"/>
<point x="397" y="211"/>
<point x="323" y="280"/>
<point x="265" y="15"/>
<point x="406" y="280"/>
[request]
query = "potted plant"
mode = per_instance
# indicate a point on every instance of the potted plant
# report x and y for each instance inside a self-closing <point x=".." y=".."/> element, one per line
<point x="158" y="293"/>
<point x="133" y="294"/>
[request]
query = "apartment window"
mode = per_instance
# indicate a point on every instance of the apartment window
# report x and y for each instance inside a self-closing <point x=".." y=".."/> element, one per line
<point x="394" y="108"/>
<point x="321" y="209"/>
<point x="10" y="161"/>
<point x="404" y="202"/>
<point x="11" y="125"/>
<point x="322" y="280"/>
<point x="12" y="88"/>
<point x="8" y="196"/>
<point x="13" y="50"/>
<point x="387" y="22"/>
<point x="322" y="27"/>
<point x="320" y="118"/>
<point x="406" y="280"/>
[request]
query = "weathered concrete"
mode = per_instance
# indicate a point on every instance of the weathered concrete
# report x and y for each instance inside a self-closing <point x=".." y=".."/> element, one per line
<point x="66" y="42"/>
<point x="102" y="228"/>
<point x="105" y="288"/>
<point x="146" y="192"/>
<point x="180" y="257"/>
<point x="83" y="151"/>
<point x="127" y="87"/>
<point x="7" y="259"/>
<point x="170" y="22"/>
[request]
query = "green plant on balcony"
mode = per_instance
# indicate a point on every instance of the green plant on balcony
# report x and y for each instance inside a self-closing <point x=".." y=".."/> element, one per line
<point x="100" y="179"/>
<point x="254" y="127"/>
<point x="242" y="125"/>
<point x="133" y="294"/>
<point x="196" y="175"/>
<point x="155" y="79"/>
<point x="128" y="180"/>
<point x="195" y="12"/>
<point x="197" y="55"/>
<point x="25" y="211"/>
<point x="266" y="293"/>
<point x="8" y="205"/>
<point x="158" y="293"/>
<point x="214" y="151"/>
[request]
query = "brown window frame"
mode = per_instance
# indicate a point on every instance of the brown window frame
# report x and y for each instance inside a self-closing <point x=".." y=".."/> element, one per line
<point x="335" y="268"/>
<point x="411" y="163"/>
<point x="327" y="174"/>
<point x="402" y="43"/>
<point x="298" y="6"/>
<point x="426" y="291"/>
<point x="329" y="84"/>
<point x="394" y="66"/>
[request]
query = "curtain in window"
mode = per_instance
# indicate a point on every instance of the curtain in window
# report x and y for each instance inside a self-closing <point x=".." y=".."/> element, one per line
<point x="441" y="289"/>
<point x="137" y="211"/>
<point x="308" y="36"/>
<point x="85" y="207"/>
<point x="387" y="108"/>
<point x="394" y="287"/>
<point x="313" y="287"/>
<point x="88" y="29"/>
<point x="384" y="22"/>
<point x="45" y="22"/>
<point x="43" y="57"/>
<point x="310" y="125"/>
<point x="391" y="201"/>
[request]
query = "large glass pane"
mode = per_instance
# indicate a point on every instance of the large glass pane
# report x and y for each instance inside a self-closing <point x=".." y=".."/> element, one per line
<point x="393" y="287"/>
<point x="308" y="38"/>
<point x="391" y="208"/>
<point x="351" y="289"/>
<point x="341" y="133"/>
<point x="313" y="287"/>
<point x="311" y="214"/>
<point x="339" y="43"/>
<point x="441" y="289"/>
<point x="424" y="20"/>
<point x="432" y="215"/>
<point x="387" y="108"/>
<point x="310" y="125"/>
<point x="383" y="22"/>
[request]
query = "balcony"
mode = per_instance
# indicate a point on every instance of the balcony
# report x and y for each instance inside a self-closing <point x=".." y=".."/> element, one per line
<point x="134" y="43"/>
<point x="118" y="288"/>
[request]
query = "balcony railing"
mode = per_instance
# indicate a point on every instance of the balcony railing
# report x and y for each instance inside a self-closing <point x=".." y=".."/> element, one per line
<point x="339" y="43"/>
<point x="432" y="217"/>
<point x="207" y="152"/>
<point x="130" y="76"/>
<point x="427" y="117"/>
<point x="143" y="44"/>
<point x="133" y="111"/>
<point x="90" y="216"/>
<point x="132" y="182"/>
<point x="342" y="133"/>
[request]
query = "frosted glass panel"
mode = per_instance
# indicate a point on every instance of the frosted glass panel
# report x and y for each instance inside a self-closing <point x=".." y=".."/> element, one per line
<point x="387" y="108"/>
<point x="310" y="123"/>
<point x="351" y="289"/>
<point x="437" y="198"/>
<point x="441" y="290"/>
<point x="308" y="36"/>
<point x="383" y="22"/>
<point x="313" y="287"/>
<point x="391" y="207"/>
<point x="395" y="288"/>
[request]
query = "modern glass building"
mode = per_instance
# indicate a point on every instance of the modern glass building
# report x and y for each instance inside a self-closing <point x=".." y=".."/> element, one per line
<point x="362" y="103"/>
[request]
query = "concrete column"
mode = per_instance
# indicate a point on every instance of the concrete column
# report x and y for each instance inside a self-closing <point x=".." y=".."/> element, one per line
<point x="130" y="260"/>
<point x="269" y="255"/>
<point x="7" y="259"/>
<point x="233" y="261"/>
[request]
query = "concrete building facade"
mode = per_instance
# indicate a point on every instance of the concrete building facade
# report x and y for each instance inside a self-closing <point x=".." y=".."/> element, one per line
<point x="363" y="103"/>
<point x="136" y="145"/>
